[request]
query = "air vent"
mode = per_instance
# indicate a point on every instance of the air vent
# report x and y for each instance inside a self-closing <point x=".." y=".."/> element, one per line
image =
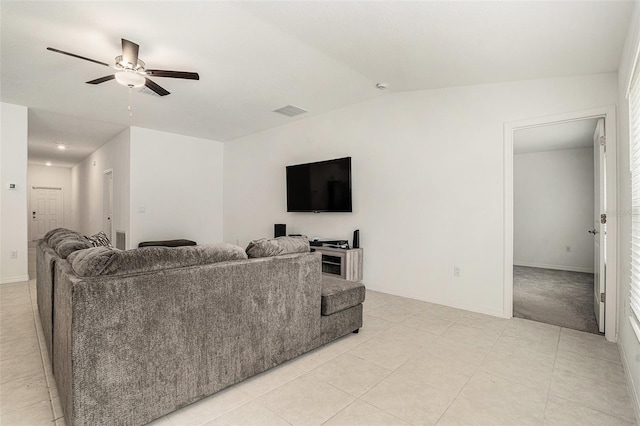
<point x="121" y="240"/>
<point x="290" y="110"/>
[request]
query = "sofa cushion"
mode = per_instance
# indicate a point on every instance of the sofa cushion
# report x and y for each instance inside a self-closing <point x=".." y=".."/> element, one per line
<point x="338" y="294"/>
<point x="71" y="243"/>
<point x="54" y="237"/>
<point x="110" y="261"/>
<point x="53" y="232"/>
<point x="277" y="246"/>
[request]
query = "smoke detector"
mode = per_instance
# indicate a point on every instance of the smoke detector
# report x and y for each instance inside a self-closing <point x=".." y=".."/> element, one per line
<point x="381" y="86"/>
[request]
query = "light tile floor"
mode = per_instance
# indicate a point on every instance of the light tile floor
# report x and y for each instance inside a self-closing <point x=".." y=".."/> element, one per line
<point x="412" y="363"/>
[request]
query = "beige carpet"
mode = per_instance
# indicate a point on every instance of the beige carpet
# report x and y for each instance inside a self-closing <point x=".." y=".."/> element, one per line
<point x="560" y="298"/>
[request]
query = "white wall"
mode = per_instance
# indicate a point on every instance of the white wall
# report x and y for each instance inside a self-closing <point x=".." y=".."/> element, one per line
<point x="56" y="177"/>
<point x="87" y="182"/>
<point x="427" y="182"/>
<point x="627" y="341"/>
<point x="13" y="203"/>
<point x="176" y="187"/>
<point x="553" y="209"/>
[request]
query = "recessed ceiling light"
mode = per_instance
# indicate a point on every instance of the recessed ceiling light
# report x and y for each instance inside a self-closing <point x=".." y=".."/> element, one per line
<point x="61" y="146"/>
<point x="382" y="86"/>
<point x="48" y="163"/>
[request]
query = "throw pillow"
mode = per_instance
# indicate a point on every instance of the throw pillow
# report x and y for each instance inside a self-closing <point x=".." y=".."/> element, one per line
<point x="100" y="240"/>
<point x="277" y="246"/>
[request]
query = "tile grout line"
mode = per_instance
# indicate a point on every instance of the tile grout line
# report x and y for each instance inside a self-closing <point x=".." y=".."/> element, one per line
<point x="477" y="368"/>
<point x="42" y="357"/>
<point x="555" y="358"/>
<point x="273" y="412"/>
<point x="358" y="398"/>
<point x="578" y="375"/>
<point x="304" y="371"/>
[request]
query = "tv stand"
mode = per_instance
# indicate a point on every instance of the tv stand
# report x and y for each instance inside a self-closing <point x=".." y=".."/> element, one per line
<point x="343" y="263"/>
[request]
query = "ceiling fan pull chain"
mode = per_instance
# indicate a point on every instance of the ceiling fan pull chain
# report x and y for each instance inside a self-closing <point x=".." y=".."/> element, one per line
<point x="130" y="101"/>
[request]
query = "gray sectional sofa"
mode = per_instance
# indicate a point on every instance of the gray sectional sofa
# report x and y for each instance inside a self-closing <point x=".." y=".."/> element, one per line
<point x="134" y="335"/>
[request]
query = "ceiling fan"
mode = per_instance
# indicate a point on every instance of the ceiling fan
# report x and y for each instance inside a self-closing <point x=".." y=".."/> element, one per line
<point x="131" y="71"/>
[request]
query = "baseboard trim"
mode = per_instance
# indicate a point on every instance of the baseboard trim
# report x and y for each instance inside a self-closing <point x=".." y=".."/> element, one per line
<point x="633" y="393"/>
<point x="17" y="279"/>
<point x="470" y="308"/>
<point x="555" y="267"/>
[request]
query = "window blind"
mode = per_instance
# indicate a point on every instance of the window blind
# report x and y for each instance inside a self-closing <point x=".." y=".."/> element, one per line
<point x="634" y="141"/>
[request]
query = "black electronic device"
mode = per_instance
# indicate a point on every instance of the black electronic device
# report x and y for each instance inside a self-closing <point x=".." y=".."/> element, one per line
<point x="329" y="243"/>
<point x="324" y="186"/>
<point x="340" y="246"/>
<point x="279" y="230"/>
<point x="356" y="239"/>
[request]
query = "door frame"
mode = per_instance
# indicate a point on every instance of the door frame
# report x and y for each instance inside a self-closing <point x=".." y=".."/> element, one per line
<point x="107" y="201"/>
<point x="30" y="209"/>
<point x="599" y="236"/>
<point x="609" y="114"/>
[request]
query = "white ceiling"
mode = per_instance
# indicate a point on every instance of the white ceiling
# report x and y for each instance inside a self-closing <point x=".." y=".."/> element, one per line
<point x="79" y="136"/>
<point x="254" y="57"/>
<point x="554" y="137"/>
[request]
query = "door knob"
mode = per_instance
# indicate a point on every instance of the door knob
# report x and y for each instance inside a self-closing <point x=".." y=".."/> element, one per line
<point x="593" y="231"/>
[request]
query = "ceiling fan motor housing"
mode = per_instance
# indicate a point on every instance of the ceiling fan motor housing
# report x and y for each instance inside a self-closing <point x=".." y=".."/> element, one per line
<point x="121" y="64"/>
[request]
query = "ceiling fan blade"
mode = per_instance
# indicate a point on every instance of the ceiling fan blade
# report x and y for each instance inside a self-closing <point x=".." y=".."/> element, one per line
<point x="102" y="79"/>
<point x="130" y="52"/>
<point x="76" y="56"/>
<point x="156" y="88"/>
<point x="174" y="74"/>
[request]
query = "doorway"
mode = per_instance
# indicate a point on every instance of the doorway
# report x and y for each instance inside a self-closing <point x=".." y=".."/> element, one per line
<point x="47" y="211"/>
<point x="107" y="203"/>
<point x="606" y="305"/>
<point x="554" y="193"/>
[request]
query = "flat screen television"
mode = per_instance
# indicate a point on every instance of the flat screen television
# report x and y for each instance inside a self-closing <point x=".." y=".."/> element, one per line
<point x="324" y="186"/>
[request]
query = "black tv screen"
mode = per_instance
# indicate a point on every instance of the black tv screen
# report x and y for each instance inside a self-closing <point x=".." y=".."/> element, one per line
<point x="324" y="186"/>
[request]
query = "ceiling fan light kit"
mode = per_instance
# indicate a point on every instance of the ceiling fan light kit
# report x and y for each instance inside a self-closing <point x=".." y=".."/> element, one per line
<point x="130" y="79"/>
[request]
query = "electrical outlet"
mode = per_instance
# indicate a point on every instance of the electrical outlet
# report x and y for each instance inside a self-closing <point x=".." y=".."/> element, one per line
<point x="567" y="249"/>
<point x="457" y="271"/>
<point x="13" y="254"/>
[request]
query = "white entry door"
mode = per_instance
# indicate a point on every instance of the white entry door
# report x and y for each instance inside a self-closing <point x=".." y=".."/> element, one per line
<point x="107" y="204"/>
<point x="46" y="210"/>
<point x="599" y="230"/>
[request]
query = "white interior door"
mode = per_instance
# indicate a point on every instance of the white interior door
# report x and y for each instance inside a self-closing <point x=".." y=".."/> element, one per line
<point x="599" y="230"/>
<point x="108" y="204"/>
<point x="46" y="210"/>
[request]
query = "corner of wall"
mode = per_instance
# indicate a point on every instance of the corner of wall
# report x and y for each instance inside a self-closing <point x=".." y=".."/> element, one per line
<point x="13" y="202"/>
